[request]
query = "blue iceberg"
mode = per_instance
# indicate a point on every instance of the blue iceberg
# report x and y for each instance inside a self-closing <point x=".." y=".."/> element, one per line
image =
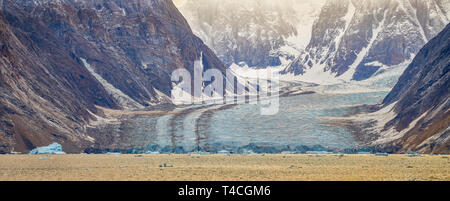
<point x="53" y="148"/>
<point x="223" y="152"/>
<point x="318" y="152"/>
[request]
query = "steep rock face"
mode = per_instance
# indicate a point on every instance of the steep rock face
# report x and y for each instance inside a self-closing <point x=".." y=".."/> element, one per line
<point x="353" y="40"/>
<point x="62" y="58"/>
<point x="259" y="33"/>
<point x="421" y="102"/>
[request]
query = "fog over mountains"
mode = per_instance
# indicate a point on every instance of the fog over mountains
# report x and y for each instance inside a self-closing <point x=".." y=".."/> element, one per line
<point x="259" y="33"/>
<point x="318" y="40"/>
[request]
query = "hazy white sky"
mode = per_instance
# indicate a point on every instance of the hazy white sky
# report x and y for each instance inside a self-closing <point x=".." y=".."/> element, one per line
<point x="179" y="2"/>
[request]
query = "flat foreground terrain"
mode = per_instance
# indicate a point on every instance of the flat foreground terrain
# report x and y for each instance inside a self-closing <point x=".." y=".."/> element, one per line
<point x="221" y="167"/>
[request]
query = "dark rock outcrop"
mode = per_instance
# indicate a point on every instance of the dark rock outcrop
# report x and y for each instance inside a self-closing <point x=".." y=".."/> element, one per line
<point x="422" y="101"/>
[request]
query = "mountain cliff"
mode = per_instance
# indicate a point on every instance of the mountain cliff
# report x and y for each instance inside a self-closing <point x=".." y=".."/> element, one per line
<point x="416" y="113"/>
<point x="353" y="39"/>
<point x="61" y="59"/>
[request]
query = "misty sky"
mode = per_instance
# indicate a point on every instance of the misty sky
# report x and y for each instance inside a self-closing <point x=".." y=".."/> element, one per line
<point x="179" y="2"/>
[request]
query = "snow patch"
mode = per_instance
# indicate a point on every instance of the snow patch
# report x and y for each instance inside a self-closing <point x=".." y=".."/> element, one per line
<point x="100" y="120"/>
<point x="124" y="13"/>
<point x="121" y="97"/>
<point x="374" y="63"/>
<point x="348" y="19"/>
<point x="348" y="75"/>
<point x="392" y="134"/>
<point x="444" y="18"/>
<point x="435" y="137"/>
<point x="412" y="15"/>
<point x="316" y="75"/>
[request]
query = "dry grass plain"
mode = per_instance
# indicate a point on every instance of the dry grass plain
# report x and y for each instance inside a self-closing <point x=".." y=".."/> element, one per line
<point x="224" y="168"/>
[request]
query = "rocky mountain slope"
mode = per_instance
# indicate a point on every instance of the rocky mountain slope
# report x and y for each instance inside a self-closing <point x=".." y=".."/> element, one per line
<point x="416" y="113"/>
<point x="60" y="59"/>
<point x="355" y="39"/>
<point x="258" y="33"/>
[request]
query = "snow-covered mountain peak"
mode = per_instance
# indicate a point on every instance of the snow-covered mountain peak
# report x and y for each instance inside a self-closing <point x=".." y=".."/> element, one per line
<point x="259" y="33"/>
<point x="353" y="40"/>
<point x="315" y="40"/>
